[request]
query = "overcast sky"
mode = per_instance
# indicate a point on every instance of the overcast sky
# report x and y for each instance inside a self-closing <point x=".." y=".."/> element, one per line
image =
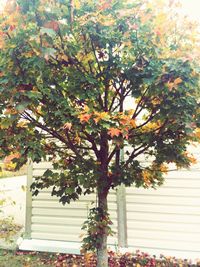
<point x="190" y="7"/>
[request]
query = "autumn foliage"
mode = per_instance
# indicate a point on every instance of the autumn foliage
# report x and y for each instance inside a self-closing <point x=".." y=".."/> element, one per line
<point x="80" y="81"/>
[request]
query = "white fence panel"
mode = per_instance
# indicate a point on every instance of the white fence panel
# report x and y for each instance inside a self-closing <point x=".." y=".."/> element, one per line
<point x="51" y="220"/>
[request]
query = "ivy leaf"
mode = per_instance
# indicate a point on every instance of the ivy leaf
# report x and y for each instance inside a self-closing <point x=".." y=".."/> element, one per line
<point x="5" y="123"/>
<point x="21" y="107"/>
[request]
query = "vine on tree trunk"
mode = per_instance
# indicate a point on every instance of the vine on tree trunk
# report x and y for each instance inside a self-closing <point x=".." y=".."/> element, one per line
<point x="97" y="223"/>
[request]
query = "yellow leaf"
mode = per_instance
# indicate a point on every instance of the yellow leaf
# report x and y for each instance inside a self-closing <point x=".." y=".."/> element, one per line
<point x="88" y="57"/>
<point x="197" y="133"/>
<point x="86" y="108"/>
<point x="22" y="124"/>
<point x="77" y="4"/>
<point x="37" y="52"/>
<point x="130" y="112"/>
<point x="190" y="158"/>
<point x="106" y="20"/>
<point x="101" y="116"/>
<point x="65" y="57"/>
<point x="29" y="54"/>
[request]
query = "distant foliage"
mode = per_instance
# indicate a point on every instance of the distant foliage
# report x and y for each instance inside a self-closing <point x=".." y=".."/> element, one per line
<point x="9" y="163"/>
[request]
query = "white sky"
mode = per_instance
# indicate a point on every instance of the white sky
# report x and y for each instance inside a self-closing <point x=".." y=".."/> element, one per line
<point x="190" y="8"/>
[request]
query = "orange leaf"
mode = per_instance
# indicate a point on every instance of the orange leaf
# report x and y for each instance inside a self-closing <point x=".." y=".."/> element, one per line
<point x="124" y="119"/>
<point x="174" y="84"/>
<point x="84" y="117"/>
<point x="114" y="132"/>
<point x="132" y="123"/>
<point x="10" y="111"/>
<point x="146" y="178"/>
<point x="164" y="168"/>
<point x="177" y="81"/>
<point x="170" y="86"/>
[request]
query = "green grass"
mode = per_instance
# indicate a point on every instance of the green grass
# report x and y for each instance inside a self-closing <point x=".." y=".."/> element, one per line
<point x="38" y="259"/>
<point x="23" y="259"/>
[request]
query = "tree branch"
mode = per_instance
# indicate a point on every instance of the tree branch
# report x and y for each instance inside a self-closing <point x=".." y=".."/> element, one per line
<point x="53" y="133"/>
<point x="134" y="155"/>
<point x="92" y="141"/>
<point x="72" y="146"/>
<point x="112" y="154"/>
<point x="136" y="113"/>
<point x="117" y="92"/>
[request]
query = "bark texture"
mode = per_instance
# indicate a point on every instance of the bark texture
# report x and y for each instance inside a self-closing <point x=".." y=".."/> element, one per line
<point x="102" y="253"/>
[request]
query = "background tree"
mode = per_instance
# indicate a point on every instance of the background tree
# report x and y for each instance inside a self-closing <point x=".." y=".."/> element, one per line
<point x="66" y="72"/>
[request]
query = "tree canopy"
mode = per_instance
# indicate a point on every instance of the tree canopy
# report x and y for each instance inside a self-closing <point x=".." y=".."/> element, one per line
<point x="70" y="70"/>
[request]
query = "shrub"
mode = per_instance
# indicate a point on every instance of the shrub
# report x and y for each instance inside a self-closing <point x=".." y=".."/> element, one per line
<point x="9" y="165"/>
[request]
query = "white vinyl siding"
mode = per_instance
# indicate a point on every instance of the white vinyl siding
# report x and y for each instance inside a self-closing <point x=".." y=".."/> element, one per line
<point x="167" y="219"/>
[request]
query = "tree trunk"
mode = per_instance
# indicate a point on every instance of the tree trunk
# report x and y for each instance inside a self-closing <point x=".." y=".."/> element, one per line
<point x="102" y="253"/>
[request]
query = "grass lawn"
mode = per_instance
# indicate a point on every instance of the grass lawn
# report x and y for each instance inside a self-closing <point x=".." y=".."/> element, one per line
<point x="38" y="259"/>
<point x="18" y="259"/>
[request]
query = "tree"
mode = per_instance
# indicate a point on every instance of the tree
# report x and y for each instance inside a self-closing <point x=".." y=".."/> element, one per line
<point x="67" y="69"/>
